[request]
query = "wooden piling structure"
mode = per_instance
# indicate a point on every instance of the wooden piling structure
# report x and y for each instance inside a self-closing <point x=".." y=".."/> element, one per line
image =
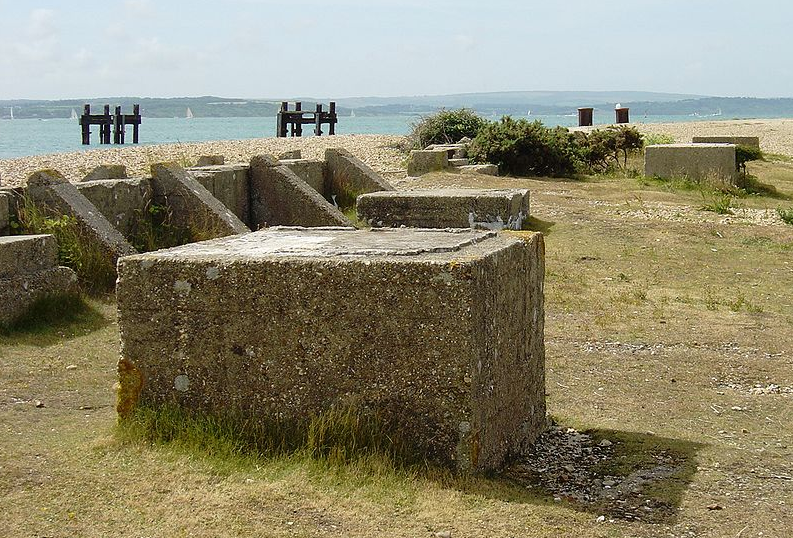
<point x="292" y="121"/>
<point x="117" y="121"/>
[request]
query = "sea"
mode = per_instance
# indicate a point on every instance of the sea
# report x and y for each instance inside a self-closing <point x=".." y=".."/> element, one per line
<point x="26" y="137"/>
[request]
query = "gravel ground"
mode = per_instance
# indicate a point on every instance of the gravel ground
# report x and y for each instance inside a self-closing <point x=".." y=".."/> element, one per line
<point x="378" y="151"/>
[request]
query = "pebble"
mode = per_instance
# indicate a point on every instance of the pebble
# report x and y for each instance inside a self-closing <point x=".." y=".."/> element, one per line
<point x="605" y="442"/>
<point x="443" y="534"/>
<point x="72" y="367"/>
<point x="39" y="404"/>
<point x="601" y="519"/>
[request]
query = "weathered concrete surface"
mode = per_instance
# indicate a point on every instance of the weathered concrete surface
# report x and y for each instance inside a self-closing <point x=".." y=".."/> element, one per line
<point x="49" y="188"/>
<point x="347" y="177"/>
<point x="446" y="208"/>
<point x="312" y="171"/>
<point x="279" y="197"/>
<point x="192" y="205"/>
<point x="211" y="160"/>
<point x="753" y="141"/>
<point x="707" y="163"/>
<point x="229" y="184"/>
<point x="439" y="332"/>
<point x="484" y="169"/>
<point x="4" y="213"/>
<point x="457" y="163"/>
<point x="24" y="254"/>
<point x="290" y="155"/>
<point x="29" y="271"/>
<point x="121" y="201"/>
<point x="454" y="151"/>
<point x="107" y="171"/>
<point x="422" y="162"/>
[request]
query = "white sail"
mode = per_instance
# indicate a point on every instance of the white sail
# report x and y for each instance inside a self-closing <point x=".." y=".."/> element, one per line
<point x="189" y="113"/>
<point x="12" y="112"/>
<point x="74" y="115"/>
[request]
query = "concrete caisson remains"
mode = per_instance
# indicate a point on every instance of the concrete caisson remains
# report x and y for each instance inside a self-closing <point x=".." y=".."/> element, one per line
<point x="438" y="332"/>
<point x="121" y="201"/>
<point x="424" y="161"/>
<point x="446" y="208"/>
<point x="347" y="177"/>
<point x="708" y="163"/>
<point x="229" y="184"/>
<point x="29" y="271"/>
<point x="4" y="213"/>
<point x="753" y="141"/>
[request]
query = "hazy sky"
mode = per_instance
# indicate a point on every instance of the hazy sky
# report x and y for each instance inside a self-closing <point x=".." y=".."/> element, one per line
<point x="341" y="48"/>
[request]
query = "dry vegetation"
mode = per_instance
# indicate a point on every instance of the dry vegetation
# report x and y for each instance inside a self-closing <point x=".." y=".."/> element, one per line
<point x="669" y="333"/>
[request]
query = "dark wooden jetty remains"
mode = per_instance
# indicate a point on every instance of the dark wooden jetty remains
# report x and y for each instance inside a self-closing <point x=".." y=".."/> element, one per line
<point x="292" y="121"/>
<point x="105" y="121"/>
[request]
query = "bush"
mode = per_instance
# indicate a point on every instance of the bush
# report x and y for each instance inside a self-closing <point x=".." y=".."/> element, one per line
<point x="744" y="154"/>
<point x="446" y="127"/>
<point x="521" y="147"/>
<point x="602" y="149"/>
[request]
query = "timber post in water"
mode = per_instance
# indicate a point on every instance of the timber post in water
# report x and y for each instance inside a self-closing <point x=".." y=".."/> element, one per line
<point x="292" y="121"/>
<point x="118" y="121"/>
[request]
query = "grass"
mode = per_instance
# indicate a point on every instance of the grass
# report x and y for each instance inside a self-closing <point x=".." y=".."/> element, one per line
<point x="786" y="215"/>
<point x="720" y="203"/>
<point x="51" y="319"/>
<point x="657" y="329"/>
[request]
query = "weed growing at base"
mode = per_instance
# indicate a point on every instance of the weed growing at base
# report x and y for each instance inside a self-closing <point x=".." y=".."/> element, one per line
<point x="786" y="215"/>
<point x="76" y="250"/>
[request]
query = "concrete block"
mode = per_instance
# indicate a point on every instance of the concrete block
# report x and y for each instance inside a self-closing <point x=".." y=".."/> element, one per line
<point x="49" y="188"/>
<point x="753" y="141"/>
<point x="211" y="160"/>
<point x="707" y="163"/>
<point x="18" y="293"/>
<point x="483" y="169"/>
<point x="191" y="204"/>
<point x="312" y="171"/>
<point x="4" y="213"/>
<point x="422" y="162"/>
<point x="438" y="332"/>
<point x="348" y="176"/>
<point x="279" y="197"/>
<point x="290" y="155"/>
<point x="229" y="184"/>
<point x="455" y="151"/>
<point x="107" y="171"/>
<point x="446" y="208"/>
<point x="121" y="201"/>
<point x="24" y="254"/>
<point x="458" y="162"/>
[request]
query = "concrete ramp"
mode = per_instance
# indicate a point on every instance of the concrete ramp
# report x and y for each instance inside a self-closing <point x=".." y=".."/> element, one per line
<point x="279" y="197"/>
<point x="348" y="177"/>
<point x="192" y="205"/>
<point x="49" y="188"/>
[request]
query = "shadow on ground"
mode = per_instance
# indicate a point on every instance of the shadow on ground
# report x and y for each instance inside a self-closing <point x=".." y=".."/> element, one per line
<point x="619" y="475"/>
<point x="52" y="320"/>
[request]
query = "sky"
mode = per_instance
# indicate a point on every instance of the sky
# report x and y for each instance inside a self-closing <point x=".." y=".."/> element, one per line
<point x="346" y="48"/>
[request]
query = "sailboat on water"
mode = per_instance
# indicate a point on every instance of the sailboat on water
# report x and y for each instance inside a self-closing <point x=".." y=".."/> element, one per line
<point x="73" y="115"/>
<point x="12" y="112"/>
<point x="188" y="113"/>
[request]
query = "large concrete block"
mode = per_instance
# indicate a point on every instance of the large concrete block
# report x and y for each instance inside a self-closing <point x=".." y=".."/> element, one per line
<point x="422" y="162"/>
<point x="753" y="141"/>
<point x="438" y="332"/>
<point x="5" y="206"/>
<point x="192" y="205"/>
<point x="482" y="169"/>
<point x="706" y="163"/>
<point x="312" y="171"/>
<point x="446" y="208"/>
<point x="107" y="171"/>
<point x="121" y="201"/>
<point x="23" y="254"/>
<point x="50" y="188"/>
<point x="279" y="197"/>
<point x="347" y="177"/>
<point x="229" y="184"/>
<point x="29" y="271"/>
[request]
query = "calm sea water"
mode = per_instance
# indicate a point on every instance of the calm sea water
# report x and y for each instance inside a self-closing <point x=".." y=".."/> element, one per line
<point x="22" y="137"/>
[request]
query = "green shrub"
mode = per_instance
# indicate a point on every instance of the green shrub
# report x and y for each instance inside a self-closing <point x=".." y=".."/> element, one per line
<point x="744" y="154"/>
<point x="603" y="149"/>
<point x="526" y="148"/>
<point x="652" y="139"/>
<point x="786" y="215"/>
<point x="446" y="127"/>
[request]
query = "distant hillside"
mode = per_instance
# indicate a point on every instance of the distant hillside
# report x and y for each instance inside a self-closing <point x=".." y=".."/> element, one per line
<point x="486" y="104"/>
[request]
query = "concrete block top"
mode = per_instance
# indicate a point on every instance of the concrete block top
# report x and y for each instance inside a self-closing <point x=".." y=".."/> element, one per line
<point x="692" y="145"/>
<point x="285" y="242"/>
<point x="27" y="254"/>
<point x="507" y="194"/>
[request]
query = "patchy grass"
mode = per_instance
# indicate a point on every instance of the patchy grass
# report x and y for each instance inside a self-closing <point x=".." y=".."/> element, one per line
<point x="52" y="319"/>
